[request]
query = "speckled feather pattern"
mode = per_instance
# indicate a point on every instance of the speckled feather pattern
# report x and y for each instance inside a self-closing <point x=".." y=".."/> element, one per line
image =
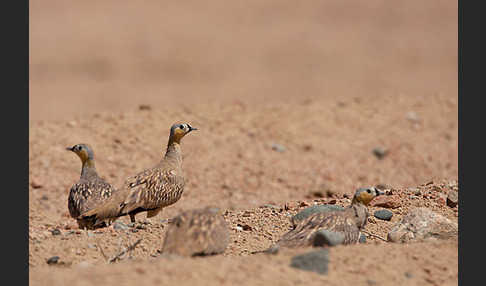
<point x="154" y="188"/>
<point x="150" y="190"/>
<point x="87" y="194"/>
<point x="348" y="222"/>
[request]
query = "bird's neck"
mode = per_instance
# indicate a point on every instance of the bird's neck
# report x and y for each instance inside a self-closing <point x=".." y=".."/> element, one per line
<point x="88" y="169"/>
<point x="173" y="153"/>
<point x="361" y="214"/>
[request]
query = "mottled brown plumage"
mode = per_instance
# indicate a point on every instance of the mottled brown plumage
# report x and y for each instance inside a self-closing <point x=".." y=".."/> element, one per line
<point x="349" y="222"/>
<point x="197" y="232"/>
<point x="152" y="189"/>
<point x="90" y="191"/>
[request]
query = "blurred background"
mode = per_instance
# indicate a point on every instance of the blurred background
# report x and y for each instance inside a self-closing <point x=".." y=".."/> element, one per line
<point x="89" y="56"/>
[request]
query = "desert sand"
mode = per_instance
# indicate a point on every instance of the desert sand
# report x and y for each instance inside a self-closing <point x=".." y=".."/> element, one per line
<point x="290" y="100"/>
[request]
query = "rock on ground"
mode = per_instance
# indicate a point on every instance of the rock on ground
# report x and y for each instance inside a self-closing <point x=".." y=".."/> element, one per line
<point x="389" y="202"/>
<point x="420" y="224"/>
<point x="452" y="198"/>
<point x="316" y="261"/>
<point x="383" y="214"/>
<point x="326" y="237"/>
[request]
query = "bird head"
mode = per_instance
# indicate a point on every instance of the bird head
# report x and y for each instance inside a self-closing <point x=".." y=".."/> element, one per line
<point x="179" y="130"/>
<point x="84" y="152"/>
<point x="366" y="195"/>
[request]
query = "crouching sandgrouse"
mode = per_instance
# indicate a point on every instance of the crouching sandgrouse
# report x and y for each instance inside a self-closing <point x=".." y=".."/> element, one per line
<point x="348" y="222"/>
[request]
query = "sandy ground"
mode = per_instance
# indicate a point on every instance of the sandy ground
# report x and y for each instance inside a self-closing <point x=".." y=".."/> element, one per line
<point x="326" y="82"/>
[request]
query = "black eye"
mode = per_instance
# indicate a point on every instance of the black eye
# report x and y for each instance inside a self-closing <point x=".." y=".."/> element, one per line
<point x="181" y="126"/>
<point x="368" y="191"/>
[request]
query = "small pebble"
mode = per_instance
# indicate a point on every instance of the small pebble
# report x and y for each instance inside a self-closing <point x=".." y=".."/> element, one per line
<point x="119" y="226"/>
<point x="144" y="107"/>
<point x="371" y="282"/>
<point x="389" y="202"/>
<point x="244" y="227"/>
<point x="452" y="198"/>
<point x="383" y="214"/>
<point x="36" y="184"/>
<point x="278" y="147"/>
<point x="380" y="152"/>
<point x="53" y="260"/>
<point x="56" y="232"/>
<point x="362" y="238"/>
<point x="412" y="116"/>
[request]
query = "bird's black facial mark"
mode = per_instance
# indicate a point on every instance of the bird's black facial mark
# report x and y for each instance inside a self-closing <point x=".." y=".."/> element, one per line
<point x="181" y="126"/>
<point x="368" y="191"/>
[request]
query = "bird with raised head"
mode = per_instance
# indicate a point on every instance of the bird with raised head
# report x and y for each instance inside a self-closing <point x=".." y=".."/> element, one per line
<point x="152" y="189"/>
<point x="90" y="191"/>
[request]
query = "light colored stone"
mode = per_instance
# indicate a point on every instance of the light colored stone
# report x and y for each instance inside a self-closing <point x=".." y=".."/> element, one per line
<point x="422" y="224"/>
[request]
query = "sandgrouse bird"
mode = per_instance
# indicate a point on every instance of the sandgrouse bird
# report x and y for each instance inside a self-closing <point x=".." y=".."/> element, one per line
<point x="347" y="222"/>
<point x="90" y="191"/>
<point x="150" y="190"/>
<point x="197" y="232"/>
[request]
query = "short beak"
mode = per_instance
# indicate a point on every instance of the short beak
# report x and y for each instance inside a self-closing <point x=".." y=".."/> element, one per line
<point x="192" y="128"/>
<point x="379" y="193"/>
<point x="69" y="148"/>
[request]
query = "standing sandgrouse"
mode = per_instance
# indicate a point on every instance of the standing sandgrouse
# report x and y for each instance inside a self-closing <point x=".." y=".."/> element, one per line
<point x="152" y="189"/>
<point x="347" y="222"/>
<point x="197" y="232"/>
<point x="91" y="190"/>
